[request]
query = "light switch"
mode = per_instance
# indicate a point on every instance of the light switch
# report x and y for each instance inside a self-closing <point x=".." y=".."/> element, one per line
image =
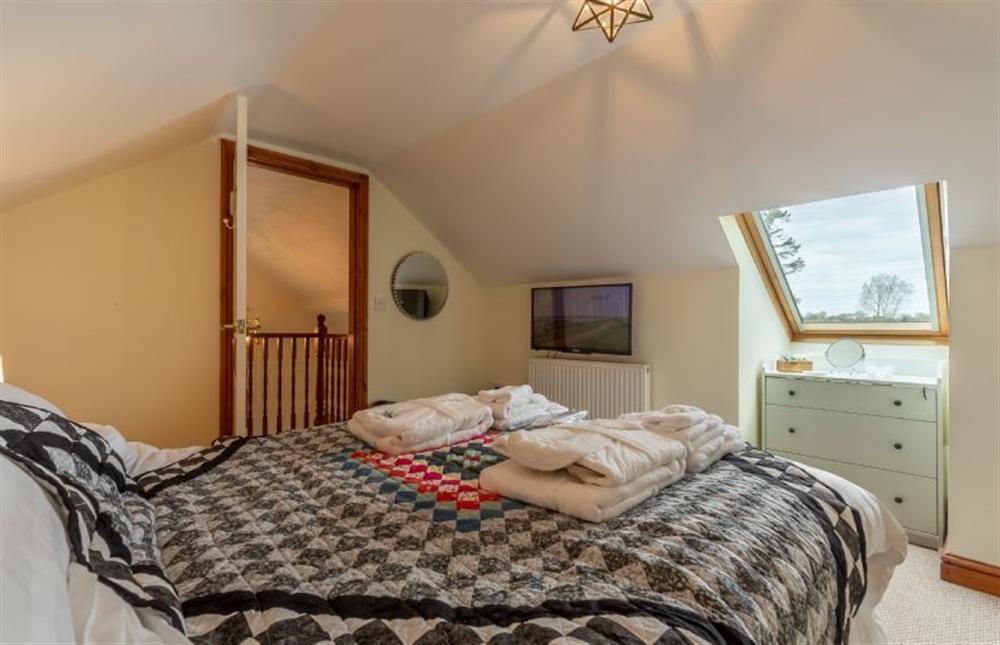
<point x="379" y="303"/>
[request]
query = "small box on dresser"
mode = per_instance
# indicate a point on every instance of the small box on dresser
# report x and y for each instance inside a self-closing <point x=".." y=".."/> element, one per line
<point x="884" y="434"/>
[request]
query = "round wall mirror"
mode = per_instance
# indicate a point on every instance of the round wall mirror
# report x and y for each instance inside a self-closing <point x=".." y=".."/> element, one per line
<point x="420" y="286"/>
<point x="845" y="353"/>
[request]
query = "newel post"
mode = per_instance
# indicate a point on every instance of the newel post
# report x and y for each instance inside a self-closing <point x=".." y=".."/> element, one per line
<point x="321" y="413"/>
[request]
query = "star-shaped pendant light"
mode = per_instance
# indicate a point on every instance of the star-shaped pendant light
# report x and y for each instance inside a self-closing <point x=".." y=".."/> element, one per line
<point x="611" y="15"/>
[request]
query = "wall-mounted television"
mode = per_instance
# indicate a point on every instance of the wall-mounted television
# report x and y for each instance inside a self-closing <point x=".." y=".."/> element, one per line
<point x="589" y="319"/>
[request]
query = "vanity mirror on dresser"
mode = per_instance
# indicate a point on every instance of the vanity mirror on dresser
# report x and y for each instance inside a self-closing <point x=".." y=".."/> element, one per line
<point x="884" y="434"/>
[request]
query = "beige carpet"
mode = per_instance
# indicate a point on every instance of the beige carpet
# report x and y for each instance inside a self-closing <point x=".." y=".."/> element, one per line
<point x="919" y="607"/>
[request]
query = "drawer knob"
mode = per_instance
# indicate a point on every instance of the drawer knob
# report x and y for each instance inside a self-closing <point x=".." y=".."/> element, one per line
<point x="897" y="446"/>
<point x="897" y="403"/>
<point x="792" y="430"/>
<point x="791" y="392"/>
<point x="897" y="499"/>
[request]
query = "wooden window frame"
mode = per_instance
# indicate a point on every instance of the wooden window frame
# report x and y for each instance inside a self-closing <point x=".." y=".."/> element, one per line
<point x="884" y="332"/>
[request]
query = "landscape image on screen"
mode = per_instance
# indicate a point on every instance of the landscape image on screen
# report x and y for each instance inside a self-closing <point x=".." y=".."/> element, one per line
<point x="583" y="319"/>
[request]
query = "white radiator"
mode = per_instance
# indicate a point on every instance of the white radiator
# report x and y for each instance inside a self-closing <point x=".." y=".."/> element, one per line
<point x="603" y="389"/>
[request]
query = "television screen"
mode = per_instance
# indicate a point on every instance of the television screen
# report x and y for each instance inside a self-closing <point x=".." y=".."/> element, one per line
<point x="592" y="319"/>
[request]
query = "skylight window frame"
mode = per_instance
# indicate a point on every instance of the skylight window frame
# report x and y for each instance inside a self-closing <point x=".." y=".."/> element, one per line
<point x="932" y="235"/>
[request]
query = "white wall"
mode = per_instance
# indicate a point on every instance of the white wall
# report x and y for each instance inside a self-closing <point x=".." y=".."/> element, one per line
<point x="974" y="452"/>
<point x="762" y="334"/>
<point x="684" y="325"/>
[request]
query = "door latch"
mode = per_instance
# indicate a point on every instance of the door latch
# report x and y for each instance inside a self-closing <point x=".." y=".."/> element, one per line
<point x="239" y="326"/>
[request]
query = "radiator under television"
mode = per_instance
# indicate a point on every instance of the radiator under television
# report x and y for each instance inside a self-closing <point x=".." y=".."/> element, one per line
<point x="605" y="390"/>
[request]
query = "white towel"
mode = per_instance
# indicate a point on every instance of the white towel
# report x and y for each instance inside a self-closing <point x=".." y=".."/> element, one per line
<point x="560" y="491"/>
<point x="502" y="399"/>
<point x="669" y="419"/>
<point x="426" y="417"/>
<point x="690" y="427"/>
<point x="518" y="406"/>
<point x="729" y="441"/>
<point x="407" y="442"/>
<point x="603" y="452"/>
<point x="522" y="416"/>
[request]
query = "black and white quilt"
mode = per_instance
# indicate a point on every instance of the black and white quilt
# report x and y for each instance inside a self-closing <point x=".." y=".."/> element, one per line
<point x="110" y="524"/>
<point x="311" y="537"/>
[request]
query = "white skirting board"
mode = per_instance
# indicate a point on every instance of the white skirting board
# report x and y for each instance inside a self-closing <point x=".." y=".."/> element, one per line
<point x="604" y="389"/>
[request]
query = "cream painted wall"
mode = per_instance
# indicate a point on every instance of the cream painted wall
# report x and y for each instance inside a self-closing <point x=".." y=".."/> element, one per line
<point x="281" y="309"/>
<point x="110" y="301"/>
<point x="974" y="450"/>
<point x="110" y="298"/>
<point x="409" y="358"/>
<point x="762" y="334"/>
<point x="684" y="324"/>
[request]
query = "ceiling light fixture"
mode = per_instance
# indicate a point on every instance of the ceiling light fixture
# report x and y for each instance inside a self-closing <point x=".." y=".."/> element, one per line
<point x="611" y="15"/>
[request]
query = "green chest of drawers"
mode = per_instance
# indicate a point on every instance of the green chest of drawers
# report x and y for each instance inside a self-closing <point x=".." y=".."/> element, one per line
<point x="884" y="435"/>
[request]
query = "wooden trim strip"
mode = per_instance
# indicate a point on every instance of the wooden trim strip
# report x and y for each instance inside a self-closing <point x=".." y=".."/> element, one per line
<point x="357" y="365"/>
<point x="935" y="230"/>
<point x="771" y="281"/>
<point x="970" y="573"/>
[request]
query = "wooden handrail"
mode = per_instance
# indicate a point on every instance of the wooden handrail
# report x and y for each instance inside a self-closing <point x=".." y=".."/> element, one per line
<point x="281" y="334"/>
<point x="328" y="364"/>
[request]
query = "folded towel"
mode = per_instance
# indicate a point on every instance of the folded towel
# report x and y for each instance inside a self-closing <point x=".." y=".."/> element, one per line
<point x="424" y="417"/>
<point x="560" y="491"/>
<point x="603" y="452"/>
<point x="730" y="441"/>
<point x="518" y="406"/>
<point x="691" y="426"/>
<point x="523" y="416"/>
<point x="502" y="399"/>
<point x="709" y="432"/>
<point x="669" y="419"/>
<point x="406" y="442"/>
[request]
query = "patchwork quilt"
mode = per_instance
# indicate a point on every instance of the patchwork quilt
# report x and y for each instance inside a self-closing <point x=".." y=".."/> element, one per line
<point x="110" y="525"/>
<point x="310" y="536"/>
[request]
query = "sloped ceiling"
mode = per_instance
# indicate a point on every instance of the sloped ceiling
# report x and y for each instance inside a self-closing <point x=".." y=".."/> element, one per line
<point x="90" y="87"/>
<point x="298" y="234"/>
<point x="533" y="152"/>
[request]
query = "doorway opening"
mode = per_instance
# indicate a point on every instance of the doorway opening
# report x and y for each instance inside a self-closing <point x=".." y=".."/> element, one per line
<point x="306" y="275"/>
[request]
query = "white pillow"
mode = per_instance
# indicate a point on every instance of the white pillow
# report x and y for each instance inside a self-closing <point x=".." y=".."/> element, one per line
<point x="140" y="457"/>
<point x="16" y="395"/>
<point x="34" y="563"/>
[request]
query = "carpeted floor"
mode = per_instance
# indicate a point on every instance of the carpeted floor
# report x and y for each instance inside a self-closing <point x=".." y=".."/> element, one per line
<point x="921" y="608"/>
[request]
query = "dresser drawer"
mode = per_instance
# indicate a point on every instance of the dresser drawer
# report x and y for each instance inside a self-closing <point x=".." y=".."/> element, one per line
<point x="881" y="442"/>
<point x="904" y="402"/>
<point x="912" y="500"/>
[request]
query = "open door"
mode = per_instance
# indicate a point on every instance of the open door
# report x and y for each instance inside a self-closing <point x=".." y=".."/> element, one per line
<point x="233" y="341"/>
<point x="330" y="382"/>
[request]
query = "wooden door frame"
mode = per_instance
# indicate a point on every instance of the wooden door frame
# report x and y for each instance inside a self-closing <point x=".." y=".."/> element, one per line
<point x="357" y="184"/>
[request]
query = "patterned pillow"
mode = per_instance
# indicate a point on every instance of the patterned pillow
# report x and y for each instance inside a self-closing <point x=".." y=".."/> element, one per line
<point x="109" y="524"/>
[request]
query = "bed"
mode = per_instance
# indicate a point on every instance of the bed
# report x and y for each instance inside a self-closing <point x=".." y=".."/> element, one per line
<point x="310" y="536"/>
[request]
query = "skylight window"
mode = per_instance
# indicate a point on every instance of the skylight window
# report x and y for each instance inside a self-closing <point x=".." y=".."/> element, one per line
<point x="869" y="265"/>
